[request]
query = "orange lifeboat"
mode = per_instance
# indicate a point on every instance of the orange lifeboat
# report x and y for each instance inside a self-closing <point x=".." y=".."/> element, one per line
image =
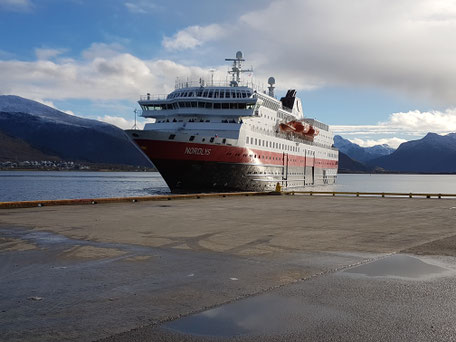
<point x="286" y="127"/>
<point x="300" y="128"/>
<point x="313" y="132"/>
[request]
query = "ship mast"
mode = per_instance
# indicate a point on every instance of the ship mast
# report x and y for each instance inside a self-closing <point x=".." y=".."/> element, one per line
<point x="236" y="69"/>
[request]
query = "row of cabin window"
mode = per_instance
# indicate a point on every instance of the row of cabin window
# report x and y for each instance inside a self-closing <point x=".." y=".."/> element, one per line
<point x="272" y="144"/>
<point x="199" y="120"/>
<point x="271" y="105"/>
<point x="212" y="93"/>
<point x="192" y="138"/>
<point x="194" y="104"/>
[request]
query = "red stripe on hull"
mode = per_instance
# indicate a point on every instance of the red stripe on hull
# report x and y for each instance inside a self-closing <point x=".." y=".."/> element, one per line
<point x="175" y="150"/>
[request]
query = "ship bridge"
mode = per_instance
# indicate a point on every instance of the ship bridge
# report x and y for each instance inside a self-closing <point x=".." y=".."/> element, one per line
<point x="200" y="102"/>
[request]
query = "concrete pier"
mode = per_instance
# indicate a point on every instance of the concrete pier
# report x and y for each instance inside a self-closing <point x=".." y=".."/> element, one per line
<point x="133" y="271"/>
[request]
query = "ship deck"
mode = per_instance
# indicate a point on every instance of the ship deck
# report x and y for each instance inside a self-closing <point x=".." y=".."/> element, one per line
<point x="129" y="271"/>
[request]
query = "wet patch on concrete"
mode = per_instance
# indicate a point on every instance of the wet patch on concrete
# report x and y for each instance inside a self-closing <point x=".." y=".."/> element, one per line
<point x="13" y="244"/>
<point x="91" y="252"/>
<point x="267" y="314"/>
<point x="399" y="266"/>
<point x="70" y="247"/>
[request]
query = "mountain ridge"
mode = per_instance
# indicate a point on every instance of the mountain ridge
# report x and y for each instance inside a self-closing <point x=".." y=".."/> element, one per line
<point x="66" y="136"/>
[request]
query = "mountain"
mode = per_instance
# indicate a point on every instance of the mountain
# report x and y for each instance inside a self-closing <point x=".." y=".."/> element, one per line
<point x="64" y="136"/>
<point x="14" y="149"/>
<point x="362" y="154"/>
<point x="348" y="165"/>
<point x="432" y="154"/>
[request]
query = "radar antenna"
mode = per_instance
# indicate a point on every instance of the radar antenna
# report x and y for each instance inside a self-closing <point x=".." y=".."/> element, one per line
<point x="271" y="82"/>
<point x="136" y="112"/>
<point x="236" y="69"/>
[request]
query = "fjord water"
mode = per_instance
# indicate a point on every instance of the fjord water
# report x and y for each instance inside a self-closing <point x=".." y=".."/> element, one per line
<point x="50" y="185"/>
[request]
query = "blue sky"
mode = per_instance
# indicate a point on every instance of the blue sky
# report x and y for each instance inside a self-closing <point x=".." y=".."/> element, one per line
<point x="376" y="71"/>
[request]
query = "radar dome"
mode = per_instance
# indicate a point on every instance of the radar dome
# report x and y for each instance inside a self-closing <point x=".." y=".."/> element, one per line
<point x="239" y="55"/>
<point x="271" y="80"/>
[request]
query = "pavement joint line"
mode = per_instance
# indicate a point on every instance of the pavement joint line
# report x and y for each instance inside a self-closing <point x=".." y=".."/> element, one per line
<point x="429" y="241"/>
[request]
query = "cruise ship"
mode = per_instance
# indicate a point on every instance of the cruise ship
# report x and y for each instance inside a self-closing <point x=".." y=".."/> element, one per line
<point x="233" y="136"/>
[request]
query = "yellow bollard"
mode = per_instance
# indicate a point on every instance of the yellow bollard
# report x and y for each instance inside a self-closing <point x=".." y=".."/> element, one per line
<point x="278" y="187"/>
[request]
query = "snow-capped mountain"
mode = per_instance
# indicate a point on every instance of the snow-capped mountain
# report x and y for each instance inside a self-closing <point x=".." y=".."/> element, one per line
<point x="66" y="136"/>
<point x="362" y="154"/>
<point x="432" y="154"/>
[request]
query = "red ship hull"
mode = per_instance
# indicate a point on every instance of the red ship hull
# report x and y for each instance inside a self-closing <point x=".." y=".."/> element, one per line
<point x="190" y="167"/>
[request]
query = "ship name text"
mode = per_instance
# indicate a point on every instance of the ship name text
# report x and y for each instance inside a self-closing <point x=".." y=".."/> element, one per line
<point x="197" y="151"/>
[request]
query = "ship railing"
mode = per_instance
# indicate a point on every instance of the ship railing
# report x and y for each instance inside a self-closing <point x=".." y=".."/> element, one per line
<point x="191" y="83"/>
<point x="153" y="97"/>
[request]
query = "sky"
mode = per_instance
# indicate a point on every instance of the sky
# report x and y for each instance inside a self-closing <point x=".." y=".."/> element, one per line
<point x="376" y="71"/>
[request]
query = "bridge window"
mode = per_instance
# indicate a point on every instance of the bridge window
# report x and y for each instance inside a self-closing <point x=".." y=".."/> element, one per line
<point x="217" y="106"/>
<point x="225" y="105"/>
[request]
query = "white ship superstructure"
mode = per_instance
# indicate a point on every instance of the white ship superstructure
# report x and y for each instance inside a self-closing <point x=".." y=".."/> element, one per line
<point x="229" y="136"/>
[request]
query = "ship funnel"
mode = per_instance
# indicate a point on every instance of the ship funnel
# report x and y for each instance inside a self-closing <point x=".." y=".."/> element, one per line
<point x="271" y="82"/>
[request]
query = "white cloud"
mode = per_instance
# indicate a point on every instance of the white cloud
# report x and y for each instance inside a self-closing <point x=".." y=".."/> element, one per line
<point x="52" y="105"/>
<point x="45" y="54"/>
<point x="413" y="123"/>
<point x="102" y="50"/>
<point x="434" y="121"/>
<point x="193" y="36"/>
<point x="393" y="142"/>
<point x="104" y="73"/>
<point x="120" y="122"/>
<point x="403" y="46"/>
<point x="140" y="7"/>
<point x="16" y="5"/>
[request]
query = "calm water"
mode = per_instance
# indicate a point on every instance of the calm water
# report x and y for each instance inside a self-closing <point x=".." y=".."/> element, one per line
<point x="42" y="185"/>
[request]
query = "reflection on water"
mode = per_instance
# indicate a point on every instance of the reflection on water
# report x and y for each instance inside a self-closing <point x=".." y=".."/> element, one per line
<point x="398" y="266"/>
<point x="264" y="314"/>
